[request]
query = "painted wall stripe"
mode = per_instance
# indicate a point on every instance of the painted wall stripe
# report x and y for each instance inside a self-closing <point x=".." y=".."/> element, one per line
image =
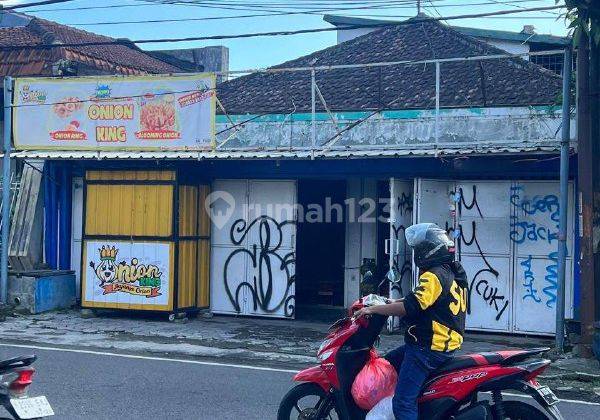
<point x="161" y="359"/>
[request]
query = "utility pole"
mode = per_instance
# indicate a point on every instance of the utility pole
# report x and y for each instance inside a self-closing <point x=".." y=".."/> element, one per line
<point x="564" y="200"/>
<point x="595" y="140"/>
<point x="6" y="175"/>
<point x="586" y="165"/>
<point x="418" y="7"/>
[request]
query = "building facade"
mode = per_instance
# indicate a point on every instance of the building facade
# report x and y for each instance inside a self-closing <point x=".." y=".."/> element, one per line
<point x="318" y="166"/>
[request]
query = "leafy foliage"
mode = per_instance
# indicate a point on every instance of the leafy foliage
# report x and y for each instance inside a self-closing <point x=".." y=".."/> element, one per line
<point x="583" y="16"/>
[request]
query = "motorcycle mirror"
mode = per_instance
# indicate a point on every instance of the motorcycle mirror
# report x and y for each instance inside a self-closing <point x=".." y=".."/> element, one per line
<point x="391" y="275"/>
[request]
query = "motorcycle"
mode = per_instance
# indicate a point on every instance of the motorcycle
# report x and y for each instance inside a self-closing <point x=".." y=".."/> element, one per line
<point x="451" y="392"/>
<point x="16" y="375"/>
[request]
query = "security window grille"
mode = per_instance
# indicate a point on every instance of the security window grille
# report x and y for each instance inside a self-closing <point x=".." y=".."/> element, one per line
<point x="552" y="62"/>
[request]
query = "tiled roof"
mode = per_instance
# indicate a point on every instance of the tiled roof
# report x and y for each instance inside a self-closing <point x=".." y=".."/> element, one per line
<point x="122" y="59"/>
<point x="486" y="83"/>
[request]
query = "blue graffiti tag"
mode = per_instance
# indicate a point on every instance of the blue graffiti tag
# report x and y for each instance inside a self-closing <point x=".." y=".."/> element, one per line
<point x="552" y="279"/>
<point x="546" y="204"/>
<point x="514" y="195"/>
<point x="522" y="231"/>
<point x="531" y="291"/>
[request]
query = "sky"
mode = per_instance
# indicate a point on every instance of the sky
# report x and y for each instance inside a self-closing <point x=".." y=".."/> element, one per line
<point x="260" y="52"/>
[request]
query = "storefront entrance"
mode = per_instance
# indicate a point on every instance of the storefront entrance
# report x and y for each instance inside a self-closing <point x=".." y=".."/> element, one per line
<point x="253" y="247"/>
<point x="320" y="248"/>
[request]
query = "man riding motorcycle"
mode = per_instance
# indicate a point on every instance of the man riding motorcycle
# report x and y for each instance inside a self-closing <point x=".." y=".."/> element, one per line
<point x="434" y="312"/>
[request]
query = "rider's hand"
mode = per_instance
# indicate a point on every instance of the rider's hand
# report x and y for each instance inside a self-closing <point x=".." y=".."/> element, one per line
<point x="367" y="310"/>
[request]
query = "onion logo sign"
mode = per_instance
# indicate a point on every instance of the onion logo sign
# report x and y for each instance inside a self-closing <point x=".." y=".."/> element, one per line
<point x="219" y="205"/>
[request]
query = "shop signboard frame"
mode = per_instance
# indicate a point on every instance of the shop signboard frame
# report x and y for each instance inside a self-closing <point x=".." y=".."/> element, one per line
<point x="115" y="113"/>
<point x="106" y="281"/>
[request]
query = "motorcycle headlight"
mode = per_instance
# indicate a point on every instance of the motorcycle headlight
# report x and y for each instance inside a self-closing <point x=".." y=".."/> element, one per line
<point x="324" y="355"/>
<point x="323" y="346"/>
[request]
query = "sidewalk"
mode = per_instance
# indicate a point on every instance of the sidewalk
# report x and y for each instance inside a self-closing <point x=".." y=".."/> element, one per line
<point x="283" y="340"/>
<point x="285" y="343"/>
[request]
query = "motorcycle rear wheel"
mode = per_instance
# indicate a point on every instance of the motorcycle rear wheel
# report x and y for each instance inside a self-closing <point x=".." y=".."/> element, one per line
<point x="294" y="407"/>
<point x="518" y="410"/>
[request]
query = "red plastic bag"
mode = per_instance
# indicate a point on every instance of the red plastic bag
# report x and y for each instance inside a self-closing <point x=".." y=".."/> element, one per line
<point x="374" y="382"/>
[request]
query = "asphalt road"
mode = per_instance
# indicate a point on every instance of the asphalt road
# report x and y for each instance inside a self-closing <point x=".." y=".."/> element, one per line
<point x="104" y="386"/>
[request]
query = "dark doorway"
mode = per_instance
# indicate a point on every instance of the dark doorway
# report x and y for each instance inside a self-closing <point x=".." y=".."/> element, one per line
<point x="320" y="247"/>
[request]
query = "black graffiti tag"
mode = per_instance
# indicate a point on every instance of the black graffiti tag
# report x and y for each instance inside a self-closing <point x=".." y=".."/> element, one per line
<point x="406" y="270"/>
<point x="405" y="203"/>
<point x="471" y="241"/>
<point x="489" y="293"/>
<point x="266" y="258"/>
<point x="462" y="202"/>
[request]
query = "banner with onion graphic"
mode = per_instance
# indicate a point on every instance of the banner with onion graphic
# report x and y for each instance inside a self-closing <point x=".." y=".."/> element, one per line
<point x="127" y="275"/>
<point x="115" y="113"/>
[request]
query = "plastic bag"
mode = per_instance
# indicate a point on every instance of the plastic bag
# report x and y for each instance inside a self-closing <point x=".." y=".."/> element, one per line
<point x="374" y="382"/>
<point x="382" y="411"/>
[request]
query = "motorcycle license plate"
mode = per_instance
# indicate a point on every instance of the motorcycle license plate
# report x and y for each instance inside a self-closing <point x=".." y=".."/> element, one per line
<point x="547" y="394"/>
<point x="32" y="408"/>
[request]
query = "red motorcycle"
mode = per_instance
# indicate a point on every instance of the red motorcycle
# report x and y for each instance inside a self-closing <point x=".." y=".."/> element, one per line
<point x="451" y="392"/>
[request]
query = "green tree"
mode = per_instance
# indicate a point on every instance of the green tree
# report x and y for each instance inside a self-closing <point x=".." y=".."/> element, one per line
<point x="583" y="16"/>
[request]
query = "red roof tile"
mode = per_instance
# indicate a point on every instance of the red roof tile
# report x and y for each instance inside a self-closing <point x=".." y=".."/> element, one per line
<point x="105" y="58"/>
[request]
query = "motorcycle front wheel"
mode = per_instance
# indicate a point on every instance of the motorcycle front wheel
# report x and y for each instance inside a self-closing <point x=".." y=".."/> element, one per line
<point x="307" y="401"/>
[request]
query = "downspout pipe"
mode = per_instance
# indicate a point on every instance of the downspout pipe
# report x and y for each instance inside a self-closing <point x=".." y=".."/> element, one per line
<point x="6" y="172"/>
<point x="64" y="253"/>
<point x="54" y="215"/>
<point x="564" y="200"/>
<point x="51" y="215"/>
<point x="47" y="214"/>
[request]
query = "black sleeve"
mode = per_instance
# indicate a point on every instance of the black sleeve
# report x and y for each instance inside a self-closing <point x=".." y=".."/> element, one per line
<point x="411" y="305"/>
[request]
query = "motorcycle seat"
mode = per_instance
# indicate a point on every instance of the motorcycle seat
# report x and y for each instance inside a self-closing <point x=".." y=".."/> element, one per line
<point x="487" y="358"/>
<point x="468" y="361"/>
<point x="16" y="362"/>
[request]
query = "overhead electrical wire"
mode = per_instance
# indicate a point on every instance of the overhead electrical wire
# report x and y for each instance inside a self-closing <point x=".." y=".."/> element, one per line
<point x="286" y="6"/>
<point x="281" y="10"/>
<point x="376" y="4"/>
<point x="296" y="4"/>
<point x="273" y="33"/>
<point x="116" y="98"/>
<point x="37" y="3"/>
<point x="274" y="70"/>
<point x="504" y="3"/>
<point x="207" y="18"/>
<point x="280" y="5"/>
<point x="369" y="16"/>
<point x="246" y="16"/>
<point x="404" y="5"/>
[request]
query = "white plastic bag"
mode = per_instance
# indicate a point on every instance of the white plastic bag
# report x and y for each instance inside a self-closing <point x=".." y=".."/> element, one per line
<point x="382" y="410"/>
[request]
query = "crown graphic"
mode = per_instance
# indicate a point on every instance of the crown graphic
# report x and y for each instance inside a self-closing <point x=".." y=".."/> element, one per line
<point x="108" y="253"/>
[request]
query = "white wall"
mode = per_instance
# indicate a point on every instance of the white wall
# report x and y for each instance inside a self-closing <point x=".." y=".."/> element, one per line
<point x="348" y="34"/>
<point x="509" y="46"/>
<point x="77" y="231"/>
<point x="507" y="241"/>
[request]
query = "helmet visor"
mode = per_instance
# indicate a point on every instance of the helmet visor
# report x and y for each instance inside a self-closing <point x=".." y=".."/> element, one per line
<point x="431" y="232"/>
<point x="416" y="234"/>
